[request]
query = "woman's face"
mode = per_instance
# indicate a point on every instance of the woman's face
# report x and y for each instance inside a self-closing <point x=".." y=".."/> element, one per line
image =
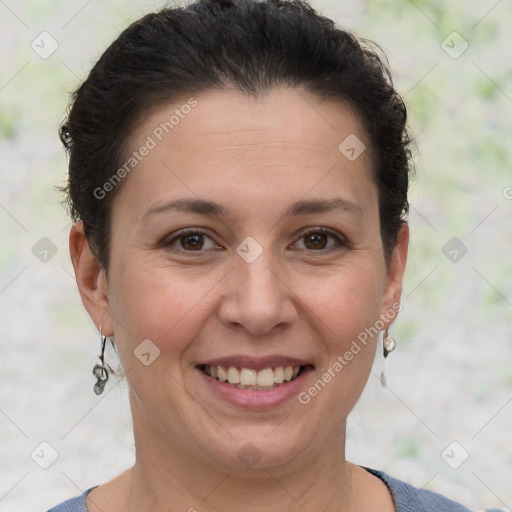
<point x="282" y="266"/>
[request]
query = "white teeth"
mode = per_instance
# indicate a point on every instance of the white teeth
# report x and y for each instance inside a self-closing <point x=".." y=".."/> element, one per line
<point x="222" y="374"/>
<point x="233" y="375"/>
<point x="266" y="377"/>
<point x="279" y="375"/>
<point x="248" y="378"/>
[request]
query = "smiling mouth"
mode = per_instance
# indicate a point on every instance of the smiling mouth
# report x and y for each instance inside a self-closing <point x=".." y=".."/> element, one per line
<point x="254" y="380"/>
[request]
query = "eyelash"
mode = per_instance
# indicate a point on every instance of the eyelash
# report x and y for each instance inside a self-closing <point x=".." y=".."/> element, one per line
<point x="339" y="239"/>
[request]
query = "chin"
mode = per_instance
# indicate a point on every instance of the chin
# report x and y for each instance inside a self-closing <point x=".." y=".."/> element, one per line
<point x="264" y="447"/>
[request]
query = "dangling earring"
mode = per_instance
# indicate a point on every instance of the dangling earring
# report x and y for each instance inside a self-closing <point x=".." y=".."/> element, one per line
<point x="100" y="371"/>
<point x="388" y="343"/>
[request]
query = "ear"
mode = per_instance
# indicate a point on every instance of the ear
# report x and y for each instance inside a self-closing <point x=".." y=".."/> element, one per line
<point x="395" y="274"/>
<point x="91" y="280"/>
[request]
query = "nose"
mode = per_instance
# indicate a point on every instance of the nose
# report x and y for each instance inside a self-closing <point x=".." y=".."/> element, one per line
<point x="257" y="298"/>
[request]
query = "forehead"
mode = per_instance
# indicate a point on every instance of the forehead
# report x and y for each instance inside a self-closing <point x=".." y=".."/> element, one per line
<point x="227" y="141"/>
<point x="277" y="115"/>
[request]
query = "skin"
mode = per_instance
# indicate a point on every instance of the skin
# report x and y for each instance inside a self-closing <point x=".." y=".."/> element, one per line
<point x="255" y="156"/>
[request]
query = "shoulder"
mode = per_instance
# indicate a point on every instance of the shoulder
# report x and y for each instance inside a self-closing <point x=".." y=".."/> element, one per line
<point x="73" y="505"/>
<point x="411" y="499"/>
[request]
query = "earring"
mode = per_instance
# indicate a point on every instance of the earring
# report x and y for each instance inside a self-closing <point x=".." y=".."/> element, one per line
<point x="388" y="343"/>
<point x="100" y="371"/>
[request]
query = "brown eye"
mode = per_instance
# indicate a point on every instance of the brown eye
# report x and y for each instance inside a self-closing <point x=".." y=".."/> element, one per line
<point x="192" y="242"/>
<point x="321" y="240"/>
<point x="315" y="241"/>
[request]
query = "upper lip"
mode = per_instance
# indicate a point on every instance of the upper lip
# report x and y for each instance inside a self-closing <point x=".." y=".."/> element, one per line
<point x="256" y="363"/>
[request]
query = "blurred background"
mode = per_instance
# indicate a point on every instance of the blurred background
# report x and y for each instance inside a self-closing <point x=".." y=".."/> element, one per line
<point x="445" y="420"/>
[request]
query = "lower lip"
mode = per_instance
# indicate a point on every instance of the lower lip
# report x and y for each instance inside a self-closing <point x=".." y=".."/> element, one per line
<point x="247" y="399"/>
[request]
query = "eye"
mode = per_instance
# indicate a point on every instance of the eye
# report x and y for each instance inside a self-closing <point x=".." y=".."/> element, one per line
<point x="318" y="240"/>
<point x="191" y="240"/>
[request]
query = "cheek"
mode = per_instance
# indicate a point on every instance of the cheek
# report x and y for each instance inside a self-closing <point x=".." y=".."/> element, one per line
<point x="346" y="304"/>
<point x="347" y="309"/>
<point x="159" y="305"/>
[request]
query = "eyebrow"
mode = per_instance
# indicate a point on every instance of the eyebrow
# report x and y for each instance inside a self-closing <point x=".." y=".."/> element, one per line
<point x="305" y="207"/>
<point x="212" y="209"/>
<point x="199" y="206"/>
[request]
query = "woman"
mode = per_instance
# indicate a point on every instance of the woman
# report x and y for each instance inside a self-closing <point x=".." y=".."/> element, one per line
<point x="238" y="176"/>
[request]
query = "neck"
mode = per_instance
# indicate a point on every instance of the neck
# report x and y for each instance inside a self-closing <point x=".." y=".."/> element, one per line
<point x="170" y="477"/>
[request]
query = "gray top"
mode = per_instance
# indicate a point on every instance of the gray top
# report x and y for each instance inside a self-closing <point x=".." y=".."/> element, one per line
<point x="407" y="498"/>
